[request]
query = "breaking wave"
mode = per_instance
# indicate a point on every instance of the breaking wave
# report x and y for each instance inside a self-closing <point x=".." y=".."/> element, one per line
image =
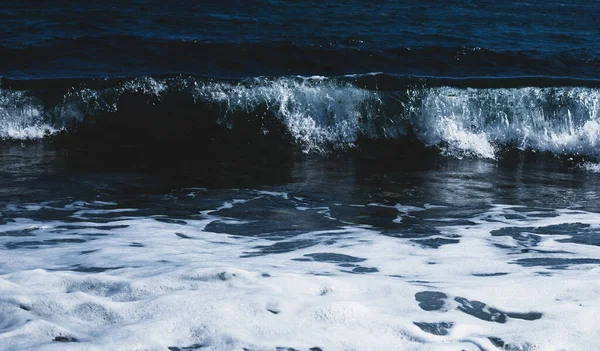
<point x="316" y="114"/>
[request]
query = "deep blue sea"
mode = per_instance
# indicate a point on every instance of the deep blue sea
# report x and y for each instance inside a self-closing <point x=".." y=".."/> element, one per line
<point x="300" y="175"/>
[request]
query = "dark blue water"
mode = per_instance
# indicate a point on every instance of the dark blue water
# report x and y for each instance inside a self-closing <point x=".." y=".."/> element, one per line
<point x="238" y="39"/>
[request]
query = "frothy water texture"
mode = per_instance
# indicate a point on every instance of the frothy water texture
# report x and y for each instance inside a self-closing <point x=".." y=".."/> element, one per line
<point x="21" y="117"/>
<point x="305" y="274"/>
<point x="322" y="114"/>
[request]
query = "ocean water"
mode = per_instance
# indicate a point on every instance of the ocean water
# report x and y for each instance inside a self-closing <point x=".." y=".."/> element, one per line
<point x="284" y="175"/>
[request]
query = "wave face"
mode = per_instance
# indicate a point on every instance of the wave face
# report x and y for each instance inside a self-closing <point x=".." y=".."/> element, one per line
<point x="316" y="114"/>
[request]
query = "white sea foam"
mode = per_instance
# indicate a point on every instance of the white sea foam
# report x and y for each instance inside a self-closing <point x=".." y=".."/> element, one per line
<point x="477" y="121"/>
<point x="591" y="166"/>
<point x="317" y="113"/>
<point x="274" y="193"/>
<point x="21" y="117"/>
<point x="145" y="284"/>
<point x="322" y="113"/>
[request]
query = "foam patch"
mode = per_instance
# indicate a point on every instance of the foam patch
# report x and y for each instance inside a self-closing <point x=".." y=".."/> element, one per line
<point x="160" y="282"/>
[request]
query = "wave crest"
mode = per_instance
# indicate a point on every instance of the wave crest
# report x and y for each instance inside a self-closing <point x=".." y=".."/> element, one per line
<point x="561" y="120"/>
<point x="319" y="114"/>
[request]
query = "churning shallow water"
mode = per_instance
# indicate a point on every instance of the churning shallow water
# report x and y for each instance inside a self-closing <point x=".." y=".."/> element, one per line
<point x="333" y="253"/>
